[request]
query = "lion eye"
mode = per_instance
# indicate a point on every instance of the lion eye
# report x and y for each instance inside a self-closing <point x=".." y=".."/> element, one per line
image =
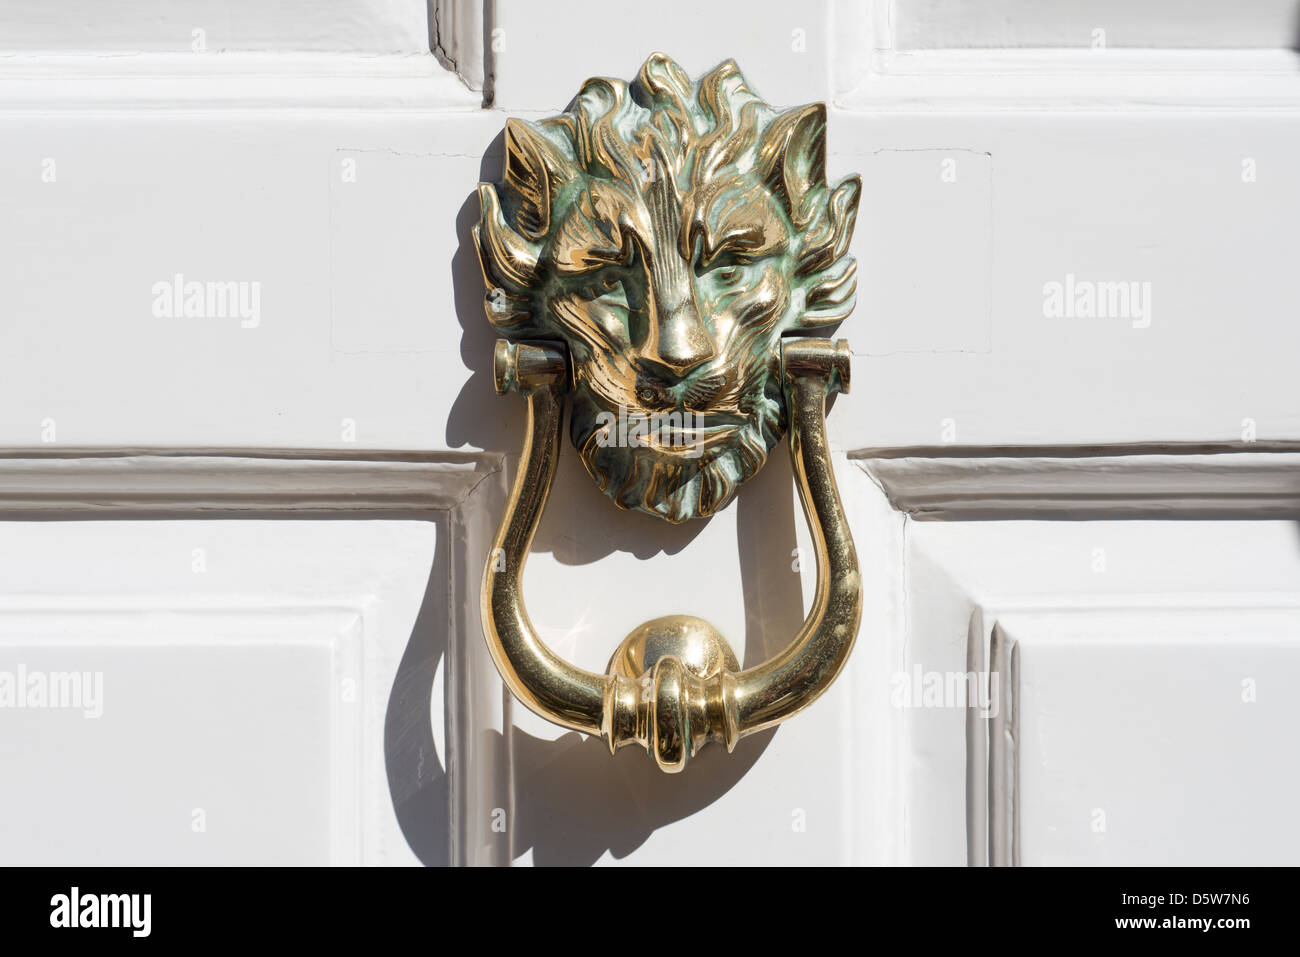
<point x="602" y="286"/>
<point x="728" y="274"/>
<point x="652" y="395"/>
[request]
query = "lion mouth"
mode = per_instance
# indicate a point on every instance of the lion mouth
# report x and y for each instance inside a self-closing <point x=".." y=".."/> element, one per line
<point x="675" y="465"/>
<point x="688" y="442"/>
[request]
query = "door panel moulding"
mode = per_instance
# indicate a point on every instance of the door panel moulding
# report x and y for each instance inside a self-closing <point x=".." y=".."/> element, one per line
<point x="870" y="72"/>
<point x="122" y="483"/>
<point x="1089" y="482"/>
<point x="462" y="492"/>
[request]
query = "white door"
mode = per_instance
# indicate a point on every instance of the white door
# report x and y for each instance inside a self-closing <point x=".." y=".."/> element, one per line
<point x="253" y="461"/>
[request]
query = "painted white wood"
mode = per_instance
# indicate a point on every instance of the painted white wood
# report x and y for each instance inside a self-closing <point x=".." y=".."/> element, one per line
<point x="1082" y="199"/>
<point x="1195" y="24"/>
<point x="125" y="27"/>
<point x="154" y="196"/>
<point x="1190" y="597"/>
<point x="82" y="482"/>
<point x="1148" y="735"/>
<point x="528" y="40"/>
<point x="1035" y="483"/>
<point x="1107" y="166"/>
<point x="247" y="701"/>
<point x="1068" y="81"/>
<point x="459" y="36"/>
<point x="1081" y="55"/>
<point x="179" y="82"/>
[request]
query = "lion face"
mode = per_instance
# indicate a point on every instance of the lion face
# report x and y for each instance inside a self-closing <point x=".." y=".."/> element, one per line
<point x="669" y="235"/>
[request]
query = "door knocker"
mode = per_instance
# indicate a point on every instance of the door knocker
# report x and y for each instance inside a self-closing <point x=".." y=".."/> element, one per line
<point x="658" y="254"/>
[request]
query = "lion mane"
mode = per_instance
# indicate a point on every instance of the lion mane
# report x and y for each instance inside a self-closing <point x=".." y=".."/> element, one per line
<point x="670" y="234"/>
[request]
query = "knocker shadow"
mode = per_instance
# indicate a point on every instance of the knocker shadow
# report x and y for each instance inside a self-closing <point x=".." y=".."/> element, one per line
<point x="574" y="802"/>
<point x="478" y="416"/>
<point x="418" y="782"/>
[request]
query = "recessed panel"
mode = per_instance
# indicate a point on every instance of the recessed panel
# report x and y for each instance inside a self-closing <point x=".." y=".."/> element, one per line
<point x="1154" y="737"/>
<point x="157" y="737"/>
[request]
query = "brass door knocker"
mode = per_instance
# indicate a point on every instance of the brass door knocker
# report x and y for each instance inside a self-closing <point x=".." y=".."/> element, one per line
<point x="653" y="253"/>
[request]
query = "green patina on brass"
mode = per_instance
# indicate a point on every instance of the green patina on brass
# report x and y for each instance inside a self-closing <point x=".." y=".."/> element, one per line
<point x="669" y="234"/>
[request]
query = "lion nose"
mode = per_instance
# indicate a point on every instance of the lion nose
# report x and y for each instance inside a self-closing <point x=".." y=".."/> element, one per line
<point x="681" y="342"/>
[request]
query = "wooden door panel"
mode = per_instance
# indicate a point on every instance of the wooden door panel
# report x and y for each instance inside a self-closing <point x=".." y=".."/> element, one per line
<point x="1089" y="691"/>
<point x="210" y="692"/>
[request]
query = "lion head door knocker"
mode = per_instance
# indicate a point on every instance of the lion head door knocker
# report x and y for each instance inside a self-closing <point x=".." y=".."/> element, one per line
<point x="659" y="253"/>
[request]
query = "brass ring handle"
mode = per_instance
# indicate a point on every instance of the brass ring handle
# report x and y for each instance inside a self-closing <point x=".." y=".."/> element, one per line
<point x="674" y="684"/>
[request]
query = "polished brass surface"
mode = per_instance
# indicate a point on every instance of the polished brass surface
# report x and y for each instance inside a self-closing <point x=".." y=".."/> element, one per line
<point x="669" y="234"/>
<point x="701" y="647"/>
<point x="674" y="684"/>
<point x="648" y="255"/>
